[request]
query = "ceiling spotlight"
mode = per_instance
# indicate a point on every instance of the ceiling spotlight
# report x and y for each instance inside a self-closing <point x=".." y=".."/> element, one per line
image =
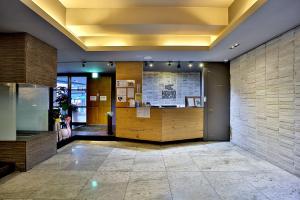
<point x="190" y="64"/>
<point x="234" y="45"/>
<point x="151" y="64"/>
<point x="110" y="63"/>
<point x="169" y="63"/>
<point x="178" y="65"/>
<point x="201" y="65"/>
<point x="226" y="60"/>
<point x="83" y="63"/>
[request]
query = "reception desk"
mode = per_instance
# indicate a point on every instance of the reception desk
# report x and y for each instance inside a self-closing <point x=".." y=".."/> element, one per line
<point x="164" y="124"/>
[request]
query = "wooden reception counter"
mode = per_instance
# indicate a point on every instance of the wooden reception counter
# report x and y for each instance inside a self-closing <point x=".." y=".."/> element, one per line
<point x="164" y="124"/>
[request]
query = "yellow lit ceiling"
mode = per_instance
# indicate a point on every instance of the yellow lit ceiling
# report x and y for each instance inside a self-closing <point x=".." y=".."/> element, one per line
<point x="119" y="25"/>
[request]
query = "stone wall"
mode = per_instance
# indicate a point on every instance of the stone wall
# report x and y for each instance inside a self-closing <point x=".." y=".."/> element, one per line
<point x="265" y="101"/>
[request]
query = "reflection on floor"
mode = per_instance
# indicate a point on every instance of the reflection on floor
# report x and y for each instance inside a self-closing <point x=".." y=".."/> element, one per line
<point x="91" y="130"/>
<point x="132" y="171"/>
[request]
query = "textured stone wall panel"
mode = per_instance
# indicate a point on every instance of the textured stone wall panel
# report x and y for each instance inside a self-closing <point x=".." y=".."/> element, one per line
<point x="265" y="104"/>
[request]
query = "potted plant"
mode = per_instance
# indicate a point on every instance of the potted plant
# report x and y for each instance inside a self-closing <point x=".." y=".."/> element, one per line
<point x="63" y="103"/>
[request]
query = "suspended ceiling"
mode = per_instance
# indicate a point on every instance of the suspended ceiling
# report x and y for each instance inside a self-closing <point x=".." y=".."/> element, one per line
<point x="132" y="25"/>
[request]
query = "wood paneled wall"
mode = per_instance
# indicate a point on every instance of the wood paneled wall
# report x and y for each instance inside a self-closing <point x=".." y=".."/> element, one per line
<point x="265" y="101"/>
<point x="129" y="71"/>
<point x="96" y="110"/>
<point x="26" y="59"/>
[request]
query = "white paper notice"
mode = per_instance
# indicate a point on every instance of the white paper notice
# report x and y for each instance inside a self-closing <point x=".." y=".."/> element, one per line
<point x="121" y="91"/>
<point x="143" y="112"/>
<point x="93" y="98"/>
<point x="130" y="92"/>
<point x="103" y="98"/>
<point x="191" y="102"/>
<point x="121" y="83"/>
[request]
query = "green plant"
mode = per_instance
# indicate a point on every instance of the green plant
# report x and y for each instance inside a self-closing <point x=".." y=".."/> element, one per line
<point x="62" y="100"/>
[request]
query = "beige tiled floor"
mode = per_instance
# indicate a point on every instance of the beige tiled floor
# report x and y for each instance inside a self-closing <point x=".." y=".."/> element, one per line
<point x="133" y="171"/>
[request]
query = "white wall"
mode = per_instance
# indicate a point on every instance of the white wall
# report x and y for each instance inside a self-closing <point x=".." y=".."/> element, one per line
<point x="8" y="111"/>
<point x="185" y="84"/>
<point x="32" y="108"/>
<point x="265" y="101"/>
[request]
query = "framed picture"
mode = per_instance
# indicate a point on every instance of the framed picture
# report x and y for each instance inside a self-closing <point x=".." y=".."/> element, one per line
<point x="193" y="101"/>
<point x="197" y="101"/>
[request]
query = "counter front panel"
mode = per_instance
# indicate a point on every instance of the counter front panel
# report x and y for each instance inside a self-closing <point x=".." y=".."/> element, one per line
<point x="164" y="124"/>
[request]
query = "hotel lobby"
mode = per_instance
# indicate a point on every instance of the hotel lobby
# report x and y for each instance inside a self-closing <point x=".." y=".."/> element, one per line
<point x="147" y="99"/>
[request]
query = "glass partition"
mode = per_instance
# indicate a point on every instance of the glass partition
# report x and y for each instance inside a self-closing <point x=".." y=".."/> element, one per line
<point x="32" y="108"/>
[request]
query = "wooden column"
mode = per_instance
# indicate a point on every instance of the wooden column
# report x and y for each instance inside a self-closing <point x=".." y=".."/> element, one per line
<point x="26" y="59"/>
<point x="129" y="71"/>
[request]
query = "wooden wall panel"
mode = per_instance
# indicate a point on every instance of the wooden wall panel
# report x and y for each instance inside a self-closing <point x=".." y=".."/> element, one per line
<point x="129" y="126"/>
<point x="12" y="58"/>
<point x="26" y="59"/>
<point x="97" y="110"/>
<point x="28" y="151"/>
<point x="41" y="68"/>
<point x="129" y="71"/>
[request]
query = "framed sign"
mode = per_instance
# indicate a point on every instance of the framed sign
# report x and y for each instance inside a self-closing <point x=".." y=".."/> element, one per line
<point x="193" y="101"/>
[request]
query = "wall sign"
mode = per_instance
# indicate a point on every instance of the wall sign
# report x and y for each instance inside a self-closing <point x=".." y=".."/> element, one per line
<point x="93" y="98"/>
<point x="103" y="98"/>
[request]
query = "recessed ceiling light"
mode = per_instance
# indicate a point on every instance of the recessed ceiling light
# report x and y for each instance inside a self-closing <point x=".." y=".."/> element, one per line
<point x="190" y="64"/>
<point x="225" y="60"/>
<point x="201" y="65"/>
<point x="151" y="64"/>
<point x="148" y="58"/>
<point x="110" y="64"/>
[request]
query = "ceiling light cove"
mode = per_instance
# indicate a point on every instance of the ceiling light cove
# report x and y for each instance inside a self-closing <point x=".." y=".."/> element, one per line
<point x="122" y="25"/>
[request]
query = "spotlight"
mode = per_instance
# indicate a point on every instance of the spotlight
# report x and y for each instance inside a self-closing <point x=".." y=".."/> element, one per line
<point x="190" y="64"/>
<point x="151" y="64"/>
<point x="110" y="63"/>
<point x="178" y="65"/>
<point x="83" y="63"/>
<point x="201" y="65"/>
<point x="169" y="63"/>
<point x="225" y="60"/>
<point x="234" y="45"/>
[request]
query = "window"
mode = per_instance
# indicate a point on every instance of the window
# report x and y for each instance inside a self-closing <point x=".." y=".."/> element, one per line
<point x="76" y="95"/>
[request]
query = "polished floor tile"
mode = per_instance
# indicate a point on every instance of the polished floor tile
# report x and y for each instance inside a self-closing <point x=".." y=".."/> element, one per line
<point x="102" y="170"/>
